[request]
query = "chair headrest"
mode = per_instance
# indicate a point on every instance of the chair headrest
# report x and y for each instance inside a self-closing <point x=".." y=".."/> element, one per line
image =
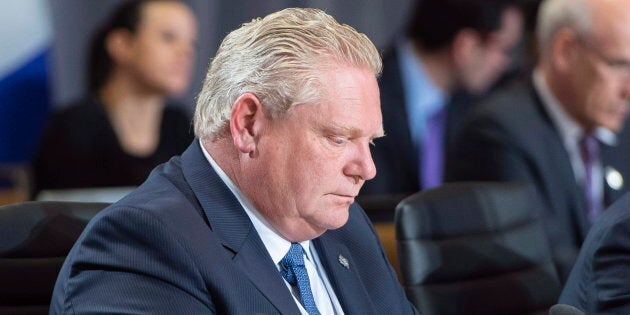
<point x="43" y="228"/>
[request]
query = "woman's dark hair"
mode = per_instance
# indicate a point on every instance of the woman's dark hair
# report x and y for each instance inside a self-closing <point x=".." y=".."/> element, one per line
<point x="126" y="16"/>
<point x="435" y="23"/>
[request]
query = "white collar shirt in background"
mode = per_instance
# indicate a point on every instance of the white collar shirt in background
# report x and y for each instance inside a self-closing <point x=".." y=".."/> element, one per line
<point x="571" y="133"/>
<point x="422" y="97"/>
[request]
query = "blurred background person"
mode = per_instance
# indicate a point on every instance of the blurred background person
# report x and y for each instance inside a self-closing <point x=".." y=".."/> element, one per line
<point x="449" y="46"/>
<point x="562" y="130"/>
<point x="126" y="126"/>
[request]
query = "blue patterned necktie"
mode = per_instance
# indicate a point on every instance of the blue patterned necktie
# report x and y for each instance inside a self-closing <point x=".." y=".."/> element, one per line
<point x="294" y="271"/>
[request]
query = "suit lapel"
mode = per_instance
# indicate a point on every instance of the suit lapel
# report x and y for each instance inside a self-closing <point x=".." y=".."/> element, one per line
<point x="559" y="167"/>
<point x="228" y="219"/>
<point x="255" y="262"/>
<point x="457" y="108"/>
<point x="339" y="265"/>
<point x="615" y="165"/>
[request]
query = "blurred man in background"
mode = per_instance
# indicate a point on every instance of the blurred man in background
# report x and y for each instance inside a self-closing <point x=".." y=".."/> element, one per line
<point x="449" y="45"/>
<point x="563" y="129"/>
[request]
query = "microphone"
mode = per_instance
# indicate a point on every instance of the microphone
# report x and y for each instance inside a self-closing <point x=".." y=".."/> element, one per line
<point x="563" y="309"/>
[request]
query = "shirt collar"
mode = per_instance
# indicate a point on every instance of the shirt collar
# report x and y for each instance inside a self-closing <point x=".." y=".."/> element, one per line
<point x="419" y="87"/>
<point x="422" y="97"/>
<point x="568" y="128"/>
<point x="275" y="244"/>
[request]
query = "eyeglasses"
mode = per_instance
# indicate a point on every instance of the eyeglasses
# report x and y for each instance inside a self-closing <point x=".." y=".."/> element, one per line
<point x="619" y="66"/>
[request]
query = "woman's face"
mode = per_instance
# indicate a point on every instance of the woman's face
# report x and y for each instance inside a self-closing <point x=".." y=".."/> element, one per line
<point x="162" y="50"/>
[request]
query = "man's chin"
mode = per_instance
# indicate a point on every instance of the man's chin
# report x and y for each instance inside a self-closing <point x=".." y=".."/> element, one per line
<point x="615" y="126"/>
<point x="339" y="219"/>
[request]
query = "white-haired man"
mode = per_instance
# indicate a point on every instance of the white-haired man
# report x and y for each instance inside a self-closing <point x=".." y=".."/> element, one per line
<point x="258" y="215"/>
<point x="561" y="130"/>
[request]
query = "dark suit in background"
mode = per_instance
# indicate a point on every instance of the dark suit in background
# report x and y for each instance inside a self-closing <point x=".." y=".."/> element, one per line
<point x="600" y="280"/>
<point x="511" y="138"/>
<point x="182" y="244"/>
<point x="427" y="81"/>
<point x="395" y="155"/>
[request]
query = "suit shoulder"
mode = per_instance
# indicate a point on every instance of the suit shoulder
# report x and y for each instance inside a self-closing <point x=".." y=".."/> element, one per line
<point x="81" y="110"/>
<point x="165" y="190"/>
<point x="615" y="218"/>
<point x="514" y="110"/>
<point x="509" y="103"/>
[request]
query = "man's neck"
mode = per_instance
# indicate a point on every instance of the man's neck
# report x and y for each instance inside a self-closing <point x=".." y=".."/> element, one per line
<point x="438" y="66"/>
<point x="557" y="84"/>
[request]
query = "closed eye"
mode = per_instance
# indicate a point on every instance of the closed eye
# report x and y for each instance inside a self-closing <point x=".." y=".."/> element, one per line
<point x="338" y="140"/>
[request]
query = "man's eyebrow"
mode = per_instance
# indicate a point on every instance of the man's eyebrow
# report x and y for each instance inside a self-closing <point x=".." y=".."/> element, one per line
<point x="343" y="129"/>
<point x="355" y="132"/>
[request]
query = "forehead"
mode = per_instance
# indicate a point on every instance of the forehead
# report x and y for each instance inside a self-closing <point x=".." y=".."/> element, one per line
<point x="611" y="27"/>
<point x="349" y="99"/>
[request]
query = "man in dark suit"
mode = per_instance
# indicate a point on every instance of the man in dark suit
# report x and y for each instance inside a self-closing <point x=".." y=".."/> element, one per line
<point x="258" y="215"/>
<point x="561" y="130"/>
<point x="451" y="50"/>
<point x="600" y="282"/>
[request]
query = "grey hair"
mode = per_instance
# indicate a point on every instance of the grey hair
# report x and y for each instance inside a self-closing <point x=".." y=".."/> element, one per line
<point x="278" y="58"/>
<point x="556" y="14"/>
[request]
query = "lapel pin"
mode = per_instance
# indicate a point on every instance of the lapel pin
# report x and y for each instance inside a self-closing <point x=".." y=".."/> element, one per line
<point x="614" y="178"/>
<point x="344" y="261"/>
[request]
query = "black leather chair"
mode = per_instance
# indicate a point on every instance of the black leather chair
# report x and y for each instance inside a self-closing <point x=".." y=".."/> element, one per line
<point x="380" y="208"/>
<point x="475" y="248"/>
<point x="35" y="238"/>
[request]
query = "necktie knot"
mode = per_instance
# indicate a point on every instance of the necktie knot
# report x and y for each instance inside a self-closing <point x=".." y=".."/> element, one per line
<point x="292" y="260"/>
<point x="294" y="271"/>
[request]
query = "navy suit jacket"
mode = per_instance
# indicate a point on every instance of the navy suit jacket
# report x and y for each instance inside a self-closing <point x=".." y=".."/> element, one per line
<point x="395" y="155"/>
<point x="600" y="280"/>
<point x="510" y="137"/>
<point x="182" y="244"/>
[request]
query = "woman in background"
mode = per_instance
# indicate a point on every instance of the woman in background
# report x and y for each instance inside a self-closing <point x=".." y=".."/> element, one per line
<point x="126" y="127"/>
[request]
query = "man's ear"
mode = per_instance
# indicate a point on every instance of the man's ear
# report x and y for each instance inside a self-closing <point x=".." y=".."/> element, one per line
<point x="246" y="122"/>
<point x="118" y="45"/>
<point x="563" y="49"/>
<point x="466" y="45"/>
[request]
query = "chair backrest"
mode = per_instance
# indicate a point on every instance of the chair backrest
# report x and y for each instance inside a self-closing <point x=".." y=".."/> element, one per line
<point x="35" y="238"/>
<point x="380" y="208"/>
<point x="476" y="248"/>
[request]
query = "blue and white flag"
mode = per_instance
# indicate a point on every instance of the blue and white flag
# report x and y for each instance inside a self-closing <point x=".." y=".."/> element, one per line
<point x="25" y="51"/>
